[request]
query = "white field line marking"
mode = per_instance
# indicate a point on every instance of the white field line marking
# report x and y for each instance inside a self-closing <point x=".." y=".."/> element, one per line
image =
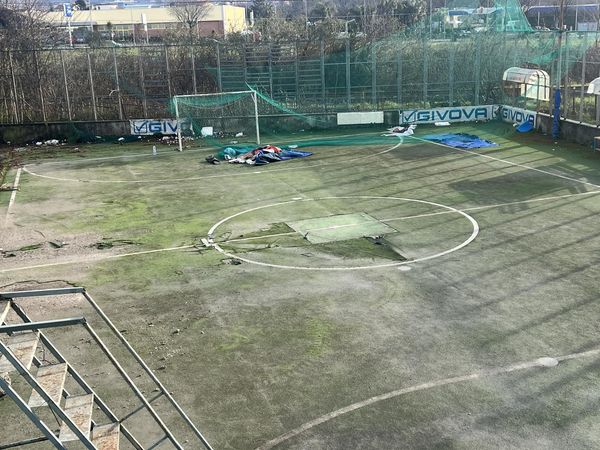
<point x="508" y="162"/>
<point x="420" y="387"/>
<point x="307" y="166"/>
<point x="470" y="239"/>
<point x="13" y="195"/>
<point x="417" y="216"/>
<point x="267" y="236"/>
<point x="98" y="258"/>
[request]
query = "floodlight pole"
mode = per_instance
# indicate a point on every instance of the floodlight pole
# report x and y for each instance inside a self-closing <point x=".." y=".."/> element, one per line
<point x="178" y="125"/>
<point x="254" y="97"/>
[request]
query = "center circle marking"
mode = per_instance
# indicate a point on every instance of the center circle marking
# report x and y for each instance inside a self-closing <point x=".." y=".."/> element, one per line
<point x="471" y="238"/>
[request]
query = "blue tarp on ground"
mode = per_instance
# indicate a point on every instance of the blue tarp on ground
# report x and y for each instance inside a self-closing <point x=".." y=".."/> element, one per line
<point x="525" y="127"/>
<point x="460" y="140"/>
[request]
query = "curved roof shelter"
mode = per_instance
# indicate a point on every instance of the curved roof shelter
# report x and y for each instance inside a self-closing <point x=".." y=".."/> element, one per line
<point x="529" y="83"/>
<point x="594" y="87"/>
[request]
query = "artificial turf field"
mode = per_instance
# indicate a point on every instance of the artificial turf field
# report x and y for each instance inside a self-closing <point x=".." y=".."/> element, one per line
<point x="293" y="330"/>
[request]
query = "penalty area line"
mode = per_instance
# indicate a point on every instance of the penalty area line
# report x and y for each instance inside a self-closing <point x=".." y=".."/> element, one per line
<point x="485" y="373"/>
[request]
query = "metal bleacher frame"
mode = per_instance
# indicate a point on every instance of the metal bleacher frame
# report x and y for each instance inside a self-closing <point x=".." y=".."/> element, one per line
<point x="69" y="427"/>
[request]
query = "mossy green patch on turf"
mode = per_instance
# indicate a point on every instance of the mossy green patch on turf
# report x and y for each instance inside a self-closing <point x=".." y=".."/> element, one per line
<point x="320" y="333"/>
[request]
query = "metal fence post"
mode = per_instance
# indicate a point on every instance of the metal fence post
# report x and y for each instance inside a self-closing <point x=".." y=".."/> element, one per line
<point x="219" y="79"/>
<point x="270" y="61"/>
<point x="451" y="74"/>
<point x="64" y="69"/>
<point x="40" y="89"/>
<point x="374" y="76"/>
<point x="168" y="72"/>
<point x="143" y="82"/>
<point x="296" y="74"/>
<point x="322" y="64"/>
<point x="399" y="77"/>
<point x="91" y="77"/>
<point x="567" y="80"/>
<point x="477" y="71"/>
<point x="582" y="91"/>
<point x="195" y="87"/>
<point x="13" y="87"/>
<point x="425" y="54"/>
<point x="119" y="97"/>
<point x="348" y="84"/>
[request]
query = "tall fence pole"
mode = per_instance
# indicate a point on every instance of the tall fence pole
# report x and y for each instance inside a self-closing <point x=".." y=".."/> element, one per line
<point x="219" y="79"/>
<point x="374" y="75"/>
<point x="451" y="75"/>
<point x="477" y="72"/>
<point x="13" y="87"/>
<point x="168" y="72"/>
<point x="143" y="82"/>
<point x="270" y="61"/>
<point x="567" y="80"/>
<point x="322" y="64"/>
<point x="118" y="86"/>
<point x="296" y="74"/>
<point x="64" y="69"/>
<point x="40" y="88"/>
<point x="93" y="92"/>
<point x="582" y="90"/>
<point x="425" y="54"/>
<point x="193" y="59"/>
<point x="348" y="84"/>
<point x="399" y="77"/>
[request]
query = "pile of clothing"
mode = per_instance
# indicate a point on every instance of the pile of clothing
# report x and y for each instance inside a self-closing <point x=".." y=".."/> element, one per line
<point x="259" y="156"/>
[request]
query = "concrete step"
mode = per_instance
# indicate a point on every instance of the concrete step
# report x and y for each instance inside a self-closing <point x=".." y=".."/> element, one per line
<point x="52" y="380"/>
<point x="106" y="437"/>
<point x="79" y="409"/>
<point x="23" y="346"/>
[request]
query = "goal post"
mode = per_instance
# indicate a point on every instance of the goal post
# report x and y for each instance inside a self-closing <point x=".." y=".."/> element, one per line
<point x="226" y="113"/>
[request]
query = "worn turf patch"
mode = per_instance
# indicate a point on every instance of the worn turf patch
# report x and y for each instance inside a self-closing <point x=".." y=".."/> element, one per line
<point x="339" y="228"/>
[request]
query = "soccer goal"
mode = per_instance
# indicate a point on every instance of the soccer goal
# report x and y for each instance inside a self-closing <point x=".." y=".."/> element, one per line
<point x="219" y="115"/>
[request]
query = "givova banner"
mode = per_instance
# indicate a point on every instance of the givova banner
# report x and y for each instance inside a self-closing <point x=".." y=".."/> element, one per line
<point x="517" y="115"/>
<point x="451" y="114"/>
<point x="154" y="126"/>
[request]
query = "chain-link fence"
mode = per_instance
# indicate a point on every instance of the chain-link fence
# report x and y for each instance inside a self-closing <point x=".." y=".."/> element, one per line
<point x="406" y="71"/>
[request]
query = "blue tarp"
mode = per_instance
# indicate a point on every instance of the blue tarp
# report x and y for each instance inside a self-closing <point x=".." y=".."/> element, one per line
<point x="525" y="127"/>
<point x="460" y="140"/>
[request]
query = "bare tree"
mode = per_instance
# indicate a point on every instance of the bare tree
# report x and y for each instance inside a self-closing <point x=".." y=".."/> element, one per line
<point x="23" y="24"/>
<point x="189" y="14"/>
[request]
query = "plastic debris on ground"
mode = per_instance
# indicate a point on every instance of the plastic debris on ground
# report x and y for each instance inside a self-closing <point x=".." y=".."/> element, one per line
<point x="401" y="131"/>
<point x="442" y="124"/>
<point x="259" y="156"/>
<point x="460" y="140"/>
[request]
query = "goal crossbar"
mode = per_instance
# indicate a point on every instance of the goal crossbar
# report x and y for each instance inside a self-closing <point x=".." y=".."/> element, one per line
<point x="216" y="94"/>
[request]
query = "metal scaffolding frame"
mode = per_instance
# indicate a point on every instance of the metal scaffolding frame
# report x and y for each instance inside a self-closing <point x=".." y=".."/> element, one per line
<point x="50" y="435"/>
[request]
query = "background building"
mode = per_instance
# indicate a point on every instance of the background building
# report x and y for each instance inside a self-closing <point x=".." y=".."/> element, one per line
<point x="143" y="23"/>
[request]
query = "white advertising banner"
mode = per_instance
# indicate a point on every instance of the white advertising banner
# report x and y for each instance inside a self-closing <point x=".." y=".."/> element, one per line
<point x="153" y="126"/>
<point x="517" y="115"/>
<point x="360" y="118"/>
<point x="451" y="114"/>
